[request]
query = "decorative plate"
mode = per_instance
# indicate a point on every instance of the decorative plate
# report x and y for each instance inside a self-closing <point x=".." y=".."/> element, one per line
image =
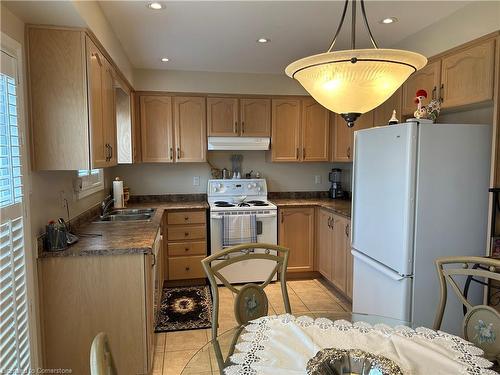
<point x="251" y="303"/>
<point x="333" y="361"/>
<point x="482" y="327"/>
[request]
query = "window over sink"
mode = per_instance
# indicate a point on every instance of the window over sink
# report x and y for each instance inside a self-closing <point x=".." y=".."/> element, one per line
<point x="88" y="182"/>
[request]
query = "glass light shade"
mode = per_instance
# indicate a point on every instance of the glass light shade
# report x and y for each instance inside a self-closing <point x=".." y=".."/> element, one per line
<point x="355" y="81"/>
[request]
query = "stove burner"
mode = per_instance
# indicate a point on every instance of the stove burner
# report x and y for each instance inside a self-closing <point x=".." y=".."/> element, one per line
<point x="223" y="204"/>
<point x="258" y="203"/>
<point x="243" y="204"/>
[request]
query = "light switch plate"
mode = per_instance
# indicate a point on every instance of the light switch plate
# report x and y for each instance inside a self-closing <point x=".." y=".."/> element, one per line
<point x="317" y="179"/>
<point x="196" y="181"/>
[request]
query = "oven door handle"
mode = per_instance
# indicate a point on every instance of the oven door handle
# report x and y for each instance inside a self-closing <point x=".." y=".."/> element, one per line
<point x="263" y="216"/>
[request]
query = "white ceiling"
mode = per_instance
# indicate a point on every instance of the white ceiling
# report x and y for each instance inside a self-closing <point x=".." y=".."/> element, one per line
<point x="221" y="36"/>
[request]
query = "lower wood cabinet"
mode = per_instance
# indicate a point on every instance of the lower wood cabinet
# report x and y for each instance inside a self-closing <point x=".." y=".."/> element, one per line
<point x="334" y="250"/>
<point x="185" y="245"/>
<point x="296" y="232"/>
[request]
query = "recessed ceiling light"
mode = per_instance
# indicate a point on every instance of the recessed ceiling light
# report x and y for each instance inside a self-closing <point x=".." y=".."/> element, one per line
<point x="155" y="5"/>
<point x="164" y="59"/>
<point x="388" y="20"/>
<point x="263" y="40"/>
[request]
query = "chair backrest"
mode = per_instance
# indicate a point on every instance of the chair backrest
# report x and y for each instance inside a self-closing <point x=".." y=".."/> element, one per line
<point x="251" y="301"/>
<point x="101" y="360"/>
<point x="479" y="320"/>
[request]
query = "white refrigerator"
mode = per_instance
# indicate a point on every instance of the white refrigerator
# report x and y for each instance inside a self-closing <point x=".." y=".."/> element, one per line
<point x="419" y="192"/>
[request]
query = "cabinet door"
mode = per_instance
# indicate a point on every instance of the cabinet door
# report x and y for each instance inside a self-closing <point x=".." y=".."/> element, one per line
<point x="255" y="117"/>
<point x="339" y="272"/>
<point x="344" y="136"/>
<point x="324" y="243"/>
<point x="315" y="131"/>
<point x="467" y="76"/>
<point x="149" y="299"/>
<point x="109" y="114"/>
<point x="190" y="129"/>
<point x="349" y="258"/>
<point x="285" y="137"/>
<point x="383" y="113"/>
<point x="427" y="79"/>
<point x="222" y="117"/>
<point x="296" y="232"/>
<point x="156" y="129"/>
<point x="95" y="71"/>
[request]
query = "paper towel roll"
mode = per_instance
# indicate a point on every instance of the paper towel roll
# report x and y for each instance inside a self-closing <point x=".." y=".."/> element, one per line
<point x="118" y="193"/>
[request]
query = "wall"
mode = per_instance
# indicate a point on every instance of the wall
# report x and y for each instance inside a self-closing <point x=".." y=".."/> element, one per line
<point x="212" y="82"/>
<point x="144" y="179"/>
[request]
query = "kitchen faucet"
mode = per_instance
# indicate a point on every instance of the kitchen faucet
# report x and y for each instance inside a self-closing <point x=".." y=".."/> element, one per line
<point x="106" y="204"/>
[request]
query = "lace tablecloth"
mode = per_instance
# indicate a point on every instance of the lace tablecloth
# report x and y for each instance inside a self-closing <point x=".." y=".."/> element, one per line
<point x="283" y="344"/>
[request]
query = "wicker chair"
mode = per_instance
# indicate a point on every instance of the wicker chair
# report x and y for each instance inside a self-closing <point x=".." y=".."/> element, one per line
<point x="251" y="301"/>
<point x="481" y="324"/>
<point x="101" y="360"/>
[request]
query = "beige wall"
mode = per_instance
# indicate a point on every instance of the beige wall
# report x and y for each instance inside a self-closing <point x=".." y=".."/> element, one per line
<point x="45" y="187"/>
<point x="144" y="179"/>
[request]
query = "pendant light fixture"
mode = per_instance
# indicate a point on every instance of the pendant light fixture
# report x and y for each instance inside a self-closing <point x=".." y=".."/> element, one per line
<point x="352" y="82"/>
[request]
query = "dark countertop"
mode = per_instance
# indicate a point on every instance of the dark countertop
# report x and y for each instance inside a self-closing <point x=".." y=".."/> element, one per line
<point x="116" y="238"/>
<point x="341" y="207"/>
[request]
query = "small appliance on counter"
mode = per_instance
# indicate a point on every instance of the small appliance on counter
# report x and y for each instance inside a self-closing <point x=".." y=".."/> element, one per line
<point x="58" y="236"/>
<point x="334" y="177"/>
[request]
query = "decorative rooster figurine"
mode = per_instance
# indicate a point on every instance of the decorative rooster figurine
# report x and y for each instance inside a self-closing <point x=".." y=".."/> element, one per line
<point x="431" y="111"/>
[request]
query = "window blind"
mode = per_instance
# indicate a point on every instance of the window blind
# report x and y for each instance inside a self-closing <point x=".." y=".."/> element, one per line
<point x="14" y="309"/>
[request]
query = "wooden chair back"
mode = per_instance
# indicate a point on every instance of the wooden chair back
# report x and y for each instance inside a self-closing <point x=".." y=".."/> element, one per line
<point x="251" y="301"/>
<point x="481" y="324"/>
<point x="101" y="360"/>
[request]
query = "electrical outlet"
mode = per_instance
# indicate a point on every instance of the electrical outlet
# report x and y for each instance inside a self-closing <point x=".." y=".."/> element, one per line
<point x="196" y="181"/>
<point x="317" y="179"/>
<point x="62" y="198"/>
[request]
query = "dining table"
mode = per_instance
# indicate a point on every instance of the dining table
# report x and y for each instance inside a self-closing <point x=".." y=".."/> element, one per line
<point x="303" y="343"/>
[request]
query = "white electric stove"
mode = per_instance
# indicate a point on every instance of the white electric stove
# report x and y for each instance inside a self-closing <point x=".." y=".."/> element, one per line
<point x="243" y="197"/>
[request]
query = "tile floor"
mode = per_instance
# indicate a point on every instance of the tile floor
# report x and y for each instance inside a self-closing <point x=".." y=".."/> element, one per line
<point x="174" y="349"/>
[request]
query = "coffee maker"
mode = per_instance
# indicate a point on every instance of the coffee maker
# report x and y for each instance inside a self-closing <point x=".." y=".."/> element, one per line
<point x="336" y="189"/>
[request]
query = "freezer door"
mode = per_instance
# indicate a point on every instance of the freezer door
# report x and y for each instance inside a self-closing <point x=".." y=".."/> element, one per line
<point x="383" y="195"/>
<point x="380" y="291"/>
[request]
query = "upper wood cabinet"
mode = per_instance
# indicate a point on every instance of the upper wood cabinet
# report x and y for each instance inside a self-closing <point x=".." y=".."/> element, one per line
<point x="315" y="131"/>
<point x="222" y="117"/>
<point x="173" y="129"/>
<point x="342" y="142"/>
<point x="156" y="129"/>
<point x="190" y="129"/>
<point x="428" y="79"/>
<point x="285" y="139"/>
<point x="300" y="130"/>
<point x="383" y="112"/>
<point x="467" y="75"/>
<point x="255" y="117"/>
<point x="296" y="232"/>
<point x="71" y="101"/>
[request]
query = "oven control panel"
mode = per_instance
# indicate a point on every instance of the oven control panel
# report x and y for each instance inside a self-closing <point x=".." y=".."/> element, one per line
<point x="237" y="187"/>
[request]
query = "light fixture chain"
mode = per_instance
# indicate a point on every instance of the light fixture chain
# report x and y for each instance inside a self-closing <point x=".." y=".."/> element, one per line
<point x="367" y="24"/>
<point x="339" y="27"/>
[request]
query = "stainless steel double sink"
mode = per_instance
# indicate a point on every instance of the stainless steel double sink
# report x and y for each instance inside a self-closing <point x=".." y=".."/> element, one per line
<point x="127" y="214"/>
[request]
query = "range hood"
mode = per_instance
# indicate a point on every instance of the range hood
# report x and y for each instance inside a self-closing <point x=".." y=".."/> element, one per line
<point x="238" y="143"/>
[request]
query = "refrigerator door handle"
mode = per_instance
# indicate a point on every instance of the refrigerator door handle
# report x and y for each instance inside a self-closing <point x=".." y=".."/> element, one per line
<point x="376" y="265"/>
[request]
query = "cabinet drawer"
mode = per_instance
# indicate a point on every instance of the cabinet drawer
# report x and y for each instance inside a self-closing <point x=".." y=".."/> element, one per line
<point x="185" y="268"/>
<point x="188" y="217"/>
<point x="186" y="233"/>
<point x="187" y="249"/>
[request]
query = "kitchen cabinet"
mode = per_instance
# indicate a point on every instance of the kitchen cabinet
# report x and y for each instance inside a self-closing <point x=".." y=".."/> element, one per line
<point x="186" y="245"/>
<point x="71" y="100"/>
<point x="222" y="117"/>
<point x="324" y="243"/>
<point x="467" y="75"/>
<point x="428" y="79"/>
<point x="300" y="131"/>
<point x="343" y="137"/>
<point x="190" y="129"/>
<point x="349" y="258"/>
<point x="383" y="113"/>
<point x="296" y="232"/>
<point x="255" y="117"/>
<point x="156" y="129"/>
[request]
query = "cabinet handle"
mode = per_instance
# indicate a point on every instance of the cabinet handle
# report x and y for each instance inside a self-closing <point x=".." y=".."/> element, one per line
<point x="154" y="260"/>
<point x="178" y="153"/>
<point x="171" y="153"/>
<point x="186" y="218"/>
<point x="297" y="154"/>
<point x="186" y="234"/>
<point x="282" y="216"/>
<point x="242" y="127"/>
<point x="187" y="268"/>
<point x="235" y="128"/>
<point x="332" y="223"/>
<point x="441" y="93"/>
<point x="349" y="152"/>
<point x="434" y="92"/>
<point x="110" y="152"/>
<point x="303" y="153"/>
<point x="329" y="222"/>
<point x="107" y="152"/>
<point x="347" y="230"/>
<point x="186" y="249"/>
